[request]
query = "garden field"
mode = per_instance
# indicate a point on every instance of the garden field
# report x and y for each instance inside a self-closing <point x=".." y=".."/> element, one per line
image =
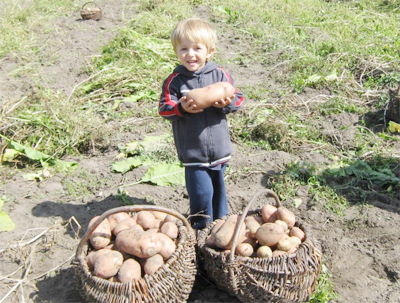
<point x="81" y="134"/>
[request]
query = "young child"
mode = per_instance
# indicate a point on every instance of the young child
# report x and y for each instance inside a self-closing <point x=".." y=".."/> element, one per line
<point x="201" y="134"/>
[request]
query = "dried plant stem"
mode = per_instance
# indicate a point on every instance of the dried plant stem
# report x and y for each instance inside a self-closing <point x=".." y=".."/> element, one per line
<point x="76" y="86"/>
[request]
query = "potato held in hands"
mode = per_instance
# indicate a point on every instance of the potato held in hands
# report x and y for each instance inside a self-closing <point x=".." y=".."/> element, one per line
<point x="206" y="96"/>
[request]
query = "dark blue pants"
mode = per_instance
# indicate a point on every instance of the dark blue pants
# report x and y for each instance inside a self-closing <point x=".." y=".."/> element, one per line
<point x="207" y="194"/>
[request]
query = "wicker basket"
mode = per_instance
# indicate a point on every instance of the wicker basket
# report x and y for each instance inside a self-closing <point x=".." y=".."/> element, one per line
<point x="282" y="279"/>
<point x="94" y="13"/>
<point x="171" y="283"/>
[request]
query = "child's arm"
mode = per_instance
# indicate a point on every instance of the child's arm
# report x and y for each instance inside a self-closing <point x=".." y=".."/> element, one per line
<point x="170" y="105"/>
<point x="237" y="101"/>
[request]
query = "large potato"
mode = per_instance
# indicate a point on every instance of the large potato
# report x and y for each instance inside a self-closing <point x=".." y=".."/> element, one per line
<point x="152" y="264"/>
<point x="145" y="219"/>
<point x="206" y="96"/>
<point x="129" y="271"/>
<point x="269" y="234"/>
<point x="286" y="215"/>
<point x="170" y="229"/>
<point x="264" y="252"/>
<point x="101" y="236"/>
<point x="244" y="250"/>
<point x="108" y="264"/>
<point x="297" y="232"/>
<point x="139" y="243"/>
<point x="123" y="225"/>
<point x="114" y="219"/>
<point x="284" y="244"/>
<point x="170" y="218"/>
<point x="159" y="214"/>
<point x="93" y="255"/>
<point x="252" y="225"/>
<point x="283" y="224"/>
<point x="268" y="213"/>
<point x="295" y="241"/>
<point x="224" y="236"/>
<point x="210" y="241"/>
<point x="168" y="246"/>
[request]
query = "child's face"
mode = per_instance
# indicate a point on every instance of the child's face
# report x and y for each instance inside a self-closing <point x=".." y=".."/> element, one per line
<point x="193" y="55"/>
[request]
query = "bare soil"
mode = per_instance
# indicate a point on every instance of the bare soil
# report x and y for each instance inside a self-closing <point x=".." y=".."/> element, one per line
<point x="361" y="250"/>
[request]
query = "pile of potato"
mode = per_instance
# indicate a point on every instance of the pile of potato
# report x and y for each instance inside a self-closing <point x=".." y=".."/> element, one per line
<point x="125" y="247"/>
<point x="269" y="235"/>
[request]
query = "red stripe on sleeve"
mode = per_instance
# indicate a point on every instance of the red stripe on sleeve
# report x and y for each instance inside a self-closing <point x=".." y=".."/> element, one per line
<point x="240" y="100"/>
<point x="168" y="101"/>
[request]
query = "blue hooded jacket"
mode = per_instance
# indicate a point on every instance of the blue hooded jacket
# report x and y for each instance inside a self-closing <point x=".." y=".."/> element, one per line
<point x="201" y="139"/>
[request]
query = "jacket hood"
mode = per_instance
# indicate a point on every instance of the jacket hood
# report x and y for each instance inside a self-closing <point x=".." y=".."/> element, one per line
<point x="210" y="66"/>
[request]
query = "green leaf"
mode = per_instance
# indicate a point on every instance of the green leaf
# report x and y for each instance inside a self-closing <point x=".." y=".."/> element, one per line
<point x="152" y="96"/>
<point x="9" y="155"/>
<point x="394" y="127"/>
<point x="164" y="174"/>
<point x="313" y="79"/>
<point x="29" y="152"/>
<point x="6" y="224"/>
<point x="332" y="77"/>
<point x="39" y="156"/>
<point x="126" y="164"/>
<point x="363" y="171"/>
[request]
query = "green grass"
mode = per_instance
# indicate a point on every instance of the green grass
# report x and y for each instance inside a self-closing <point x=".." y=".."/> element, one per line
<point x="19" y="23"/>
<point x="325" y="288"/>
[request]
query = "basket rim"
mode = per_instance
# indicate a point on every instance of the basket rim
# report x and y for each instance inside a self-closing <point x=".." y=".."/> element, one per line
<point x="83" y="6"/>
<point x="129" y="208"/>
<point x="182" y="244"/>
<point x="147" y="288"/>
<point x="233" y="272"/>
<point x="309" y="241"/>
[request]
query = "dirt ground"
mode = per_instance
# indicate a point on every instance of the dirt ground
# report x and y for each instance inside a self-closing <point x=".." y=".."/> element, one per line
<point x="361" y="250"/>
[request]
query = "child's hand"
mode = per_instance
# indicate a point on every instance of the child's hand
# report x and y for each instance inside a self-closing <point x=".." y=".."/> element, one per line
<point x="189" y="106"/>
<point x="223" y="102"/>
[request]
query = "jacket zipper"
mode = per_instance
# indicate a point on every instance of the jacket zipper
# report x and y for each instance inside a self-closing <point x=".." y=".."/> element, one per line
<point x="200" y="81"/>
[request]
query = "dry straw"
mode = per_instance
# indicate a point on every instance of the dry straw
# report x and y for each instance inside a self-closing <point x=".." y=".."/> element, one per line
<point x="283" y="279"/>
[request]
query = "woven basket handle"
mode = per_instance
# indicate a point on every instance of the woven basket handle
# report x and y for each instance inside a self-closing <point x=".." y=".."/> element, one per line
<point x="129" y="208"/>
<point x="240" y="223"/>
<point x="92" y="3"/>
